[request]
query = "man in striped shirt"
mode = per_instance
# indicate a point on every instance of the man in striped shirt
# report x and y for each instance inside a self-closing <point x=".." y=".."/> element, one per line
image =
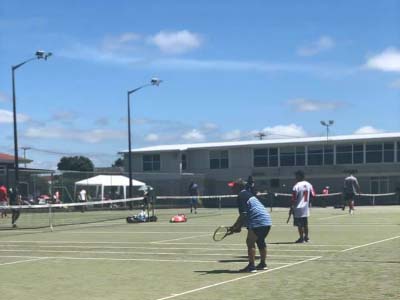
<point x="255" y="217"/>
<point x="302" y="191"/>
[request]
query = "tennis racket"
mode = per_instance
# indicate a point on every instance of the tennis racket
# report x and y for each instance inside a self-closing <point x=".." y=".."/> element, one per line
<point x="221" y="232"/>
<point x="290" y="215"/>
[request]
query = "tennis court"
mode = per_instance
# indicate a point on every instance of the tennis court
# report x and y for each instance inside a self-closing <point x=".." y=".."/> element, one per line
<point x="349" y="257"/>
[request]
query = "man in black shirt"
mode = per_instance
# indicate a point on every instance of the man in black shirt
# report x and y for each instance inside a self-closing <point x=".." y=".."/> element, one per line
<point x="14" y="200"/>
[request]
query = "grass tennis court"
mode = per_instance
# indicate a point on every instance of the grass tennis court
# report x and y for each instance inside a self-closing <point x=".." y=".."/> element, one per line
<point x="349" y="257"/>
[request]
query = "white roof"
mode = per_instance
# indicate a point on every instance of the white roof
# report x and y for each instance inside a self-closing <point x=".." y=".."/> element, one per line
<point x="338" y="138"/>
<point x="109" y="180"/>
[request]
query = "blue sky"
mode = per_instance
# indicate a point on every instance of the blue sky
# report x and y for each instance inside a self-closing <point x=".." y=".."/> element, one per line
<point x="230" y="69"/>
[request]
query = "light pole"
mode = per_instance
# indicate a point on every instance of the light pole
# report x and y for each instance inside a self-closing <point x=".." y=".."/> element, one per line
<point x="327" y="125"/>
<point x="153" y="82"/>
<point x="38" y="55"/>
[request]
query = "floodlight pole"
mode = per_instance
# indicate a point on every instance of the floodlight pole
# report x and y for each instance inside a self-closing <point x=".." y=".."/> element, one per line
<point x="153" y="82"/>
<point x="327" y="125"/>
<point x="39" y="55"/>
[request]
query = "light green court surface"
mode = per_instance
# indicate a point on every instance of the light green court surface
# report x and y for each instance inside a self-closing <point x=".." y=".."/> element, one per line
<point x="349" y="257"/>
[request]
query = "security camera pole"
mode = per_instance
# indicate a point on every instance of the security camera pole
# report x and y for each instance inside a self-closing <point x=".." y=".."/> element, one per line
<point x="153" y="82"/>
<point x="38" y="55"/>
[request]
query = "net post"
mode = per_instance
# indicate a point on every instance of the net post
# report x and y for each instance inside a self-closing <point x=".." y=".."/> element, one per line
<point x="373" y="200"/>
<point x="51" y="218"/>
<point x="219" y="204"/>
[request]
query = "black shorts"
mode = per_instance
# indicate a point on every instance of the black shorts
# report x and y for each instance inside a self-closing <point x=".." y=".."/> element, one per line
<point x="349" y="196"/>
<point x="300" y="222"/>
<point x="261" y="233"/>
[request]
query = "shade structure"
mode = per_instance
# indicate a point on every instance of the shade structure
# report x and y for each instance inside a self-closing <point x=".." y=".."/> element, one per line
<point x="102" y="181"/>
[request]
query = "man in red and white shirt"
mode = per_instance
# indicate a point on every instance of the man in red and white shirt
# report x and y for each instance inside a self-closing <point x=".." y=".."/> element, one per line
<point x="301" y="196"/>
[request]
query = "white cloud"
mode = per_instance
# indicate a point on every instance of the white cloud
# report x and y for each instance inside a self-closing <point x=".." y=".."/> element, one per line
<point x="233" y="135"/>
<point x="152" y="137"/>
<point x="388" y="61"/>
<point x="291" y="130"/>
<point x="93" y="54"/>
<point x="176" y="42"/>
<point x="89" y="136"/>
<point x="368" y="130"/>
<point x="193" y="135"/>
<point x="120" y="42"/>
<point x="395" y="84"/>
<point x="7" y="117"/>
<point x="306" y="105"/>
<point x="322" y="44"/>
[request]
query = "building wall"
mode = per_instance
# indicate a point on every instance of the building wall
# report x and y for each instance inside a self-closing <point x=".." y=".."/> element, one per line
<point x="276" y="179"/>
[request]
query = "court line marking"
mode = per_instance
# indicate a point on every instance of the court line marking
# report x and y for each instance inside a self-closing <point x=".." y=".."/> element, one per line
<point x="137" y="253"/>
<point x="213" y="243"/>
<point x="168" y="248"/>
<point x="369" y="244"/>
<point x="22" y="261"/>
<point x="123" y="259"/>
<point x="178" y="239"/>
<point x="238" y="278"/>
<point x="331" y="217"/>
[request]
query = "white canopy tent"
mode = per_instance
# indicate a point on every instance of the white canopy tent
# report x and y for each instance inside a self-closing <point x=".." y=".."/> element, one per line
<point x="102" y="181"/>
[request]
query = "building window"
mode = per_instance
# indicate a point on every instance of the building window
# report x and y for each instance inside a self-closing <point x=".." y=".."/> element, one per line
<point x="287" y="156"/>
<point x="151" y="162"/>
<point x="388" y="152"/>
<point x="344" y="154"/>
<point x="219" y="159"/>
<point x="358" y="154"/>
<point x="260" y="158"/>
<point x="315" y="155"/>
<point x="300" y="156"/>
<point x="328" y="155"/>
<point x="398" y="151"/>
<point x="379" y="185"/>
<point x="273" y="157"/>
<point x="183" y="161"/>
<point x="266" y="157"/>
<point x="374" y="153"/>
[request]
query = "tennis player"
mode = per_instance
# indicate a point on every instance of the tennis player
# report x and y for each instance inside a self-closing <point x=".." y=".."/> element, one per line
<point x="194" y="196"/>
<point x="255" y="217"/>
<point x="301" y="196"/>
<point x="350" y="189"/>
<point x="3" y="201"/>
<point x="14" y="200"/>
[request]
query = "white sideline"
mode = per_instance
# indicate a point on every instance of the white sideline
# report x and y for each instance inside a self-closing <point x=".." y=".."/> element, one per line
<point x="178" y="239"/>
<point x="21" y="261"/>
<point x="133" y="252"/>
<point x="239" y="278"/>
<point x="168" y="248"/>
<point x="369" y="244"/>
<point x="122" y="259"/>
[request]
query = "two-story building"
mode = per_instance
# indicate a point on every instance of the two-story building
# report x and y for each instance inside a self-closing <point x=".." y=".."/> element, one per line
<point x="374" y="158"/>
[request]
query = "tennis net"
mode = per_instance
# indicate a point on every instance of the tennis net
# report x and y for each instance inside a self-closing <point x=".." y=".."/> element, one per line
<point x="52" y="215"/>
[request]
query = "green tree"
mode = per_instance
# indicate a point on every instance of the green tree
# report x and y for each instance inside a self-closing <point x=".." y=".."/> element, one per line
<point x="118" y="163"/>
<point x="75" y="163"/>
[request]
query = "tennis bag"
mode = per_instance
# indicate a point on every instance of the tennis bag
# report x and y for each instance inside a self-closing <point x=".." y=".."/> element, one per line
<point x="136" y="219"/>
<point x="178" y="218"/>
